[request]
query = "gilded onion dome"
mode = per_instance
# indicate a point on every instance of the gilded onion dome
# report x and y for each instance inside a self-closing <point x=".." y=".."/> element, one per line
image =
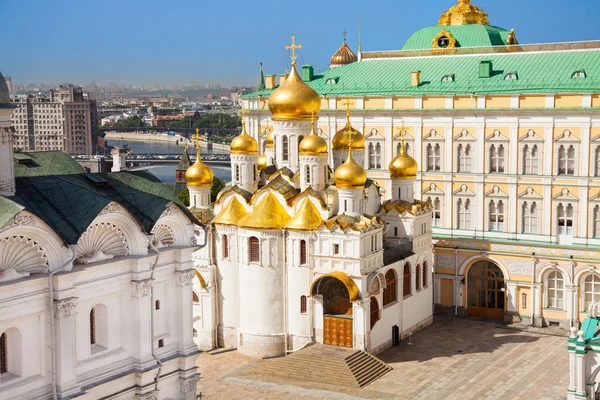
<point x="294" y="99"/>
<point x="340" y="140"/>
<point x="313" y="144"/>
<point x="244" y="143"/>
<point x="199" y="174"/>
<point x="403" y="166"/>
<point x="344" y="55"/>
<point x="270" y="139"/>
<point x="464" y="13"/>
<point x="262" y="162"/>
<point x="350" y="175"/>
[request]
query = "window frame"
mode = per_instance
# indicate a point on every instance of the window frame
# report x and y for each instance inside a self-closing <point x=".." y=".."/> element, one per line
<point x="253" y="249"/>
<point x="390" y="293"/>
<point x="595" y="283"/>
<point x="303" y="304"/>
<point x="406" y="280"/>
<point x="464" y="207"/>
<point x="303" y="252"/>
<point x="224" y="246"/>
<point x="551" y="290"/>
<point x="374" y="311"/>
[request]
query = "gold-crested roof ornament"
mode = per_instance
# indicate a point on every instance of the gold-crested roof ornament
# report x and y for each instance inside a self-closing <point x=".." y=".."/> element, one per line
<point x="198" y="174"/>
<point x="307" y="218"/>
<point x="403" y="166"/>
<point x="231" y="214"/>
<point x="294" y="100"/>
<point x="511" y="40"/>
<point x="262" y="162"/>
<point x="244" y="143"/>
<point x="344" y="55"/>
<point x="313" y="144"/>
<point x="350" y="175"/>
<point x="268" y="214"/>
<point x="464" y="13"/>
<point x="341" y="138"/>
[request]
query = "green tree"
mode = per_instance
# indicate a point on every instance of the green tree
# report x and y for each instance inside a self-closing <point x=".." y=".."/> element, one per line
<point x="184" y="197"/>
<point x="135" y="121"/>
<point x="216" y="187"/>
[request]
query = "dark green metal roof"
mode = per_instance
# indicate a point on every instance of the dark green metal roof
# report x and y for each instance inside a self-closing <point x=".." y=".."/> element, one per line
<point x="46" y="163"/>
<point x="185" y="162"/>
<point x="8" y="209"/>
<point x="538" y="72"/>
<point x="472" y="35"/>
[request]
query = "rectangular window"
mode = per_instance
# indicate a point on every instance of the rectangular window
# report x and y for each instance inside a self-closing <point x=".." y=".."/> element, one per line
<point x="303" y="252"/>
<point x="254" y="249"/>
<point x="336" y="249"/>
<point x="303" y="305"/>
<point x="225" y="244"/>
<point x="3" y="354"/>
<point x="161" y="343"/>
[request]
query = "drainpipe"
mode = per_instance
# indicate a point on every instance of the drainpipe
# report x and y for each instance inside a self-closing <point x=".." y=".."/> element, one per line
<point x="215" y="280"/>
<point x="52" y="346"/>
<point x="285" y="293"/>
<point x="152" y="269"/>
<point x="456" y="279"/>
<point x="532" y="289"/>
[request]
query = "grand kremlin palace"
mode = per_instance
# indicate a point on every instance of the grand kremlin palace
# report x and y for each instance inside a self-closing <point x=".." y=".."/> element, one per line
<point x="507" y="138"/>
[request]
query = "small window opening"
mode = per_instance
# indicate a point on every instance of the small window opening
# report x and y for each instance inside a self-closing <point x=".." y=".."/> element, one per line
<point x="161" y="343"/>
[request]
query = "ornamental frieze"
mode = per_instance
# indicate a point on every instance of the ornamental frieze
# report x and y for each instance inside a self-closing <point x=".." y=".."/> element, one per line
<point x="19" y="220"/>
<point x="141" y="289"/>
<point x="65" y="308"/>
<point x="110" y="208"/>
<point x="185" y="278"/>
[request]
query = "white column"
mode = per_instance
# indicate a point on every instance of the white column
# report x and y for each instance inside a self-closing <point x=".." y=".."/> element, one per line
<point x="64" y="342"/>
<point x="184" y="311"/>
<point x="548" y="151"/>
<point x="512" y="206"/>
<point x="547" y="211"/>
<point x="571" y="305"/>
<point x="350" y="200"/>
<point x="448" y="150"/>
<point x="580" y="368"/>
<point x="448" y="206"/>
<point x="536" y="307"/>
<point x="513" y="150"/>
<point x="141" y="306"/>
<point x="584" y="152"/>
<point x="511" y="303"/>
<point x="572" y="374"/>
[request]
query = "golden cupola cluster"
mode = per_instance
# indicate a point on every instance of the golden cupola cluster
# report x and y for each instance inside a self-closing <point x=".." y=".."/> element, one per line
<point x="198" y="174"/>
<point x="340" y="140"/>
<point x="244" y="143"/>
<point x="313" y="144"/>
<point x="464" y="13"/>
<point x="344" y="55"/>
<point x="403" y="166"/>
<point x="350" y="175"/>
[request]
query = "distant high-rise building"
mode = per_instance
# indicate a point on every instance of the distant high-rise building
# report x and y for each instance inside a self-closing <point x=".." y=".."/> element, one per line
<point x="67" y="121"/>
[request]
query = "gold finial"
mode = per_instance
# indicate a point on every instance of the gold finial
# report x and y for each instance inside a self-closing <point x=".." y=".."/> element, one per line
<point x="402" y="135"/>
<point x="293" y="47"/>
<point x="243" y="112"/>
<point x="359" y="45"/>
<point x="197" y="139"/>
<point x="344" y="33"/>
<point x="347" y="105"/>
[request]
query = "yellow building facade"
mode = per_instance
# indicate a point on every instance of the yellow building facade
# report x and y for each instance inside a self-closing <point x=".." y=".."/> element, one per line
<point x="507" y="139"/>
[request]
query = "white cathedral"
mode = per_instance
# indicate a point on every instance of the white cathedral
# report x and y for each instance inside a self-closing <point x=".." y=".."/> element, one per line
<point x="302" y="248"/>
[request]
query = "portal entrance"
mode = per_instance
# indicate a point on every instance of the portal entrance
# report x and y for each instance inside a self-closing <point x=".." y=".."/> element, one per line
<point x="486" y="294"/>
<point x="338" y="292"/>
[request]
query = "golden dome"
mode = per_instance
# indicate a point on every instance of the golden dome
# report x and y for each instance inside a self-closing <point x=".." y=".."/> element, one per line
<point x="199" y="174"/>
<point x="343" y="56"/>
<point x="294" y="99"/>
<point x="464" y="13"/>
<point x="313" y="144"/>
<point x="307" y="217"/>
<point x="262" y="162"/>
<point x="350" y="175"/>
<point x="403" y="166"/>
<point x="268" y="214"/>
<point x="244" y="143"/>
<point x="340" y="140"/>
<point x="231" y="214"/>
<point x="270" y="140"/>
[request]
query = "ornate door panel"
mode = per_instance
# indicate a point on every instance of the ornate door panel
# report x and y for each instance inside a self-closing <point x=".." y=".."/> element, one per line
<point x="337" y="331"/>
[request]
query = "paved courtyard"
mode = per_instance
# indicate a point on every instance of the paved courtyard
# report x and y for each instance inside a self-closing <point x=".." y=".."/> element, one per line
<point x="455" y="358"/>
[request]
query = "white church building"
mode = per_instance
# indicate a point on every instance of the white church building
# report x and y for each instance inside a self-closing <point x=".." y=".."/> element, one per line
<point x="96" y="279"/>
<point x="302" y="248"/>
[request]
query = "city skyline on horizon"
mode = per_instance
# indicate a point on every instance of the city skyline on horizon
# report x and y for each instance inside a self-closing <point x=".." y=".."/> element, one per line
<point x="153" y="55"/>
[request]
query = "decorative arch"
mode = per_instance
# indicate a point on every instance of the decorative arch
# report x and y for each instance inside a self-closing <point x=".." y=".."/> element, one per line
<point x="353" y="292"/>
<point x="131" y="229"/>
<point x="180" y="227"/>
<point x="100" y="242"/>
<point x="468" y="263"/>
<point x="98" y="327"/>
<point x="542" y="271"/>
<point x="20" y="256"/>
<point x="200" y="279"/>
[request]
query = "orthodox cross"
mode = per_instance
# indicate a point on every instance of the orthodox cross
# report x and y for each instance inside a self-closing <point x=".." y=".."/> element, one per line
<point x="344" y="35"/>
<point x="350" y="135"/>
<point x="402" y="135"/>
<point x="243" y="113"/>
<point x="197" y="138"/>
<point x="293" y="47"/>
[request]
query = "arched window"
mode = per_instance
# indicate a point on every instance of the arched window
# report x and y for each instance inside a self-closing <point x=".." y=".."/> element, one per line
<point x="157" y="304"/>
<point x="391" y="288"/>
<point x="406" y="282"/>
<point x="497" y="158"/>
<point x="530" y="159"/>
<point x="372" y="156"/>
<point x="425" y="275"/>
<point x="418" y="277"/>
<point x="597" y="161"/>
<point x="254" y="249"/>
<point x="433" y="157"/>
<point x="523" y="301"/>
<point x="510" y="77"/>
<point x="374" y="311"/>
<point x="284" y="148"/>
<point x="464" y="158"/>
<point x="195" y="298"/>
<point x="591" y="291"/>
<point x="93" y="326"/>
<point x="225" y="246"/>
<point x="98" y="328"/>
<point x="3" y="354"/>
<point x="303" y="252"/>
<point x="307" y="174"/>
<point x="566" y="160"/>
<point x="303" y="306"/>
<point x="436" y="216"/>
<point x="237" y="173"/>
<point x="496" y="215"/>
<point x="530" y="217"/>
<point x="597" y="222"/>
<point x="555" y="290"/>
<point x="464" y="214"/>
<point x="565" y="220"/>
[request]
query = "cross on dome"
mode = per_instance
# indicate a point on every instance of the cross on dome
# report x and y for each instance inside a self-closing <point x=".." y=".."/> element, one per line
<point x="197" y="139"/>
<point x="293" y="47"/>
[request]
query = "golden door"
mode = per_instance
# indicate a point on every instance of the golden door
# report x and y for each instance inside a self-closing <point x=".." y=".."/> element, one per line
<point x="337" y="331"/>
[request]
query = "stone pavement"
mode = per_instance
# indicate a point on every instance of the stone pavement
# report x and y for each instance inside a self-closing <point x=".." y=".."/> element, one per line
<point x="455" y="358"/>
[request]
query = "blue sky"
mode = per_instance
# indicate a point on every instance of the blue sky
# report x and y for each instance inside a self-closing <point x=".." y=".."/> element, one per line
<point x="173" y="42"/>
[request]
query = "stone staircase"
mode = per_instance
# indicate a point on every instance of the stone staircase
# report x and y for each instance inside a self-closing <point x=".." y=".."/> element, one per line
<point x="322" y="364"/>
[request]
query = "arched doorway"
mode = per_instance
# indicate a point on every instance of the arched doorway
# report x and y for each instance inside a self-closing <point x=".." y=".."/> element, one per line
<point x="338" y="291"/>
<point x="485" y="288"/>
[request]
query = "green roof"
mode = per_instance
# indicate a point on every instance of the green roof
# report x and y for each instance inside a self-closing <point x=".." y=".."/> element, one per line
<point x="538" y="72"/>
<point x="473" y="35"/>
<point x="185" y="162"/>
<point x="8" y="209"/>
<point x="46" y="163"/>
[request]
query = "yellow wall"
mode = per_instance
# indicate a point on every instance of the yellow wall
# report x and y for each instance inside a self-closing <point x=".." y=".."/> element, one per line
<point x="532" y="101"/>
<point x="559" y="315"/>
<point x="434" y="102"/>
<point x="403" y="102"/>
<point x="374" y="102"/>
<point x="446" y="292"/>
<point x="465" y="102"/>
<point x="538" y="131"/>
<point x="523" y="308"/>
<point x="568" y="100"/>
<point x="497" y="102"/>
<point x="341" y="102"/>
<point x="596" y="100"/>
<point x="441" y="131"/>
<point x="324" y="104"/>
<point x="575" y="131"/>
<point x="458" y="129"/>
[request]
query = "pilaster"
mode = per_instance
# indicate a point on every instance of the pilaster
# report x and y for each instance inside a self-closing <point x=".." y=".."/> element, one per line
<point x="184" y="310"/>
<point x="142" y="322"/>
<point x="64" y="340"/>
